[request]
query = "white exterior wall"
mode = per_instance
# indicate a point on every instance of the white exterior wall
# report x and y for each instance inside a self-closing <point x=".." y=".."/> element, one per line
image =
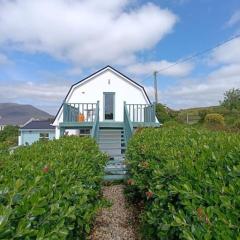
<point x="92" y="89"/>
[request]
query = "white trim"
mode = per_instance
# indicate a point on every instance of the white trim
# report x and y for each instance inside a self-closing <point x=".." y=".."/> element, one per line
<point x="30" y="120"/>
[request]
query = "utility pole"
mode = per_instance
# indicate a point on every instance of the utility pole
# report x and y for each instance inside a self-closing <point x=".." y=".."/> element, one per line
<point x="155" y="86"/>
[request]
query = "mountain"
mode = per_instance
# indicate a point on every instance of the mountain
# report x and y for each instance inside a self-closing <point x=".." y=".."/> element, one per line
<point x="18" y="114"/>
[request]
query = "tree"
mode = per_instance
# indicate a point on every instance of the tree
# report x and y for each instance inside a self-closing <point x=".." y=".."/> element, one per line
<point x="9" y="135"/>
<point x="231" y="99"/>
<point x="164" y="114"/>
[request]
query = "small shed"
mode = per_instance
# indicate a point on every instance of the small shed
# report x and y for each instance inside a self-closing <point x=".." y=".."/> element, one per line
<point x="36" y="130"/>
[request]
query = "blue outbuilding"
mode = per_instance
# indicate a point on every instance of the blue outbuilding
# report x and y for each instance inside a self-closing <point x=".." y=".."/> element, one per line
<point x="36" y="130"/>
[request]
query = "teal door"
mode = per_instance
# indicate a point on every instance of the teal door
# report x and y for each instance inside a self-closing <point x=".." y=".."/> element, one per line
<point x="109" y="106"/>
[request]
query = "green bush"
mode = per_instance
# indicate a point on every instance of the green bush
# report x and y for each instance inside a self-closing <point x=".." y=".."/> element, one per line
<point x="51" y="190"/>
<point x="165" y="114"/>
<point x="214" y="120"/>
<point x="203" y="113"/>
<point x="8" y="137"/>
<point x="237" y="125"/>
<point x="189" y="182"/>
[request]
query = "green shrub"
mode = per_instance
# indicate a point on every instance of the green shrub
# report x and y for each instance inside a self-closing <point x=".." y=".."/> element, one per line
<point x="171" y="123"/>
<point x="189" y="182"/>
<point x="203" y="113"/>
<point x="237" y="125"/>
<point x="51" y="190"/>
<point x="165" y="114"/>
<point x="214" y="120"/>
<point x="8" y="137"/>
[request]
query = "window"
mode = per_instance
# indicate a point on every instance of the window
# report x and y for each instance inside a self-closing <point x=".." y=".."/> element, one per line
<point x="44" y="136"/>
<point x="84" y="132"/>
<point x="109" y="102"/>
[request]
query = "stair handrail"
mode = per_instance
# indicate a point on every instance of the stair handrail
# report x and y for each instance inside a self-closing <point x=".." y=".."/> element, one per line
<point x="95" y="127"/>
<point x="128" y="126"/>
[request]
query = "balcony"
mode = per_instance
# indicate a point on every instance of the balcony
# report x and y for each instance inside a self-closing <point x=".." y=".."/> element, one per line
<point x="86" y="115"/>
<point x="79" y="114"/>
<point x="141" y="113"/>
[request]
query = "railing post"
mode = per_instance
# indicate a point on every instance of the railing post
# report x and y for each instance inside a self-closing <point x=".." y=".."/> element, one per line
<point x="154" y="111"/>
<point x="64" y="111"/>
<point x="62" y="130"/>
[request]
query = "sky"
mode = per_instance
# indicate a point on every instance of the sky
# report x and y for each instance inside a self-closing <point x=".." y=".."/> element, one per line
<point x="46" y="46"/>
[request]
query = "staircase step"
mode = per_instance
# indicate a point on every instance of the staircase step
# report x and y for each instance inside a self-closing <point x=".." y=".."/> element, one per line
<point x="114" y="168"/>
<point x="111" y="137"/>
<point x="111" y="130"/>
<point x="117" y="156"/>
<point x="111" y="142"/>
<point x="113" y="148"/>
<point x="115" y="172"/>
<point x="117" y="161"/>
<point x="114" y="177"/>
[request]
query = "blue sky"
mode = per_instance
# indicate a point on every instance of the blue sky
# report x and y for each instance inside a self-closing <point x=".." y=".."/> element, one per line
<point x="45" y="46"/>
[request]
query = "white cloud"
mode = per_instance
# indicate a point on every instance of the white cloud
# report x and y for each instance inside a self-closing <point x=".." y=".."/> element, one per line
<point x="180" y="70"/>
<point x="84" y="31"/>
<point x="4" y="60"/>
<point x="75" y="71"/>
<point x="203" y="92"/>
<point x="47" y="93"/>
<point x="227" y="53"/>
<point x="208" y="90"/>
<point x="235" y="18"/>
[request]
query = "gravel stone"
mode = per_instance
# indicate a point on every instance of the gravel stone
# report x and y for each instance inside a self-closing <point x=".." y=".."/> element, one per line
<point x="116" y="222"/>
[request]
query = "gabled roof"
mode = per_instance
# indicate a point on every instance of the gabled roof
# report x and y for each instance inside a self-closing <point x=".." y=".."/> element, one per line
<point x="101" y="70"/>
<point x="39" y="124"/>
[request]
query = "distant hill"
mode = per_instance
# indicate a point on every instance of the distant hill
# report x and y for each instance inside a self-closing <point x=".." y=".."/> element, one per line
<point x="18" y="114"/>
<point x="192" y="115"/>
<point x="201" y="108"/>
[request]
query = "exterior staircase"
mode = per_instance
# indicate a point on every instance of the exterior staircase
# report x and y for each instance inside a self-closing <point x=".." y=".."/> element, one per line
<point x="112" y="141"/>
<point x="112" y="136"/>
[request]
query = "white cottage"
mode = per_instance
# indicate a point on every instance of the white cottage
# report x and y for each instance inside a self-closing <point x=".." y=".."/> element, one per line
<point x="108" y="106"/>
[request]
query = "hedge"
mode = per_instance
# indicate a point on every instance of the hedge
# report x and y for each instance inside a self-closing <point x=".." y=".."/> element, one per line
<point x="188" y="181"/>
<point x="51" y="190"/>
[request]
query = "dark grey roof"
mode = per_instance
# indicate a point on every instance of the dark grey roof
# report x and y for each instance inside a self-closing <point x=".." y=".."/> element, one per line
<point x="39" y="124"/>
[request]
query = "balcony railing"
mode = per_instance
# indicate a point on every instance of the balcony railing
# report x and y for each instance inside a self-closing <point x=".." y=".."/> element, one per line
<point x="95" y="129"/>
<point x="79" y="112"/>
<point x="128" y="127"/>
<point x="141" y="113"/>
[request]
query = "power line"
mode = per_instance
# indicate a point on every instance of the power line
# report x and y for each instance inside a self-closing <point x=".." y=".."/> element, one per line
<point x="186" y="60"/>
<point x="198" y="54"/>
<point x="193" y="56"/>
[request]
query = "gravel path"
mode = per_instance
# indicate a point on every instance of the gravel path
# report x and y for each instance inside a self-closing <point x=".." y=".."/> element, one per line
<point x="116" y="222"/>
